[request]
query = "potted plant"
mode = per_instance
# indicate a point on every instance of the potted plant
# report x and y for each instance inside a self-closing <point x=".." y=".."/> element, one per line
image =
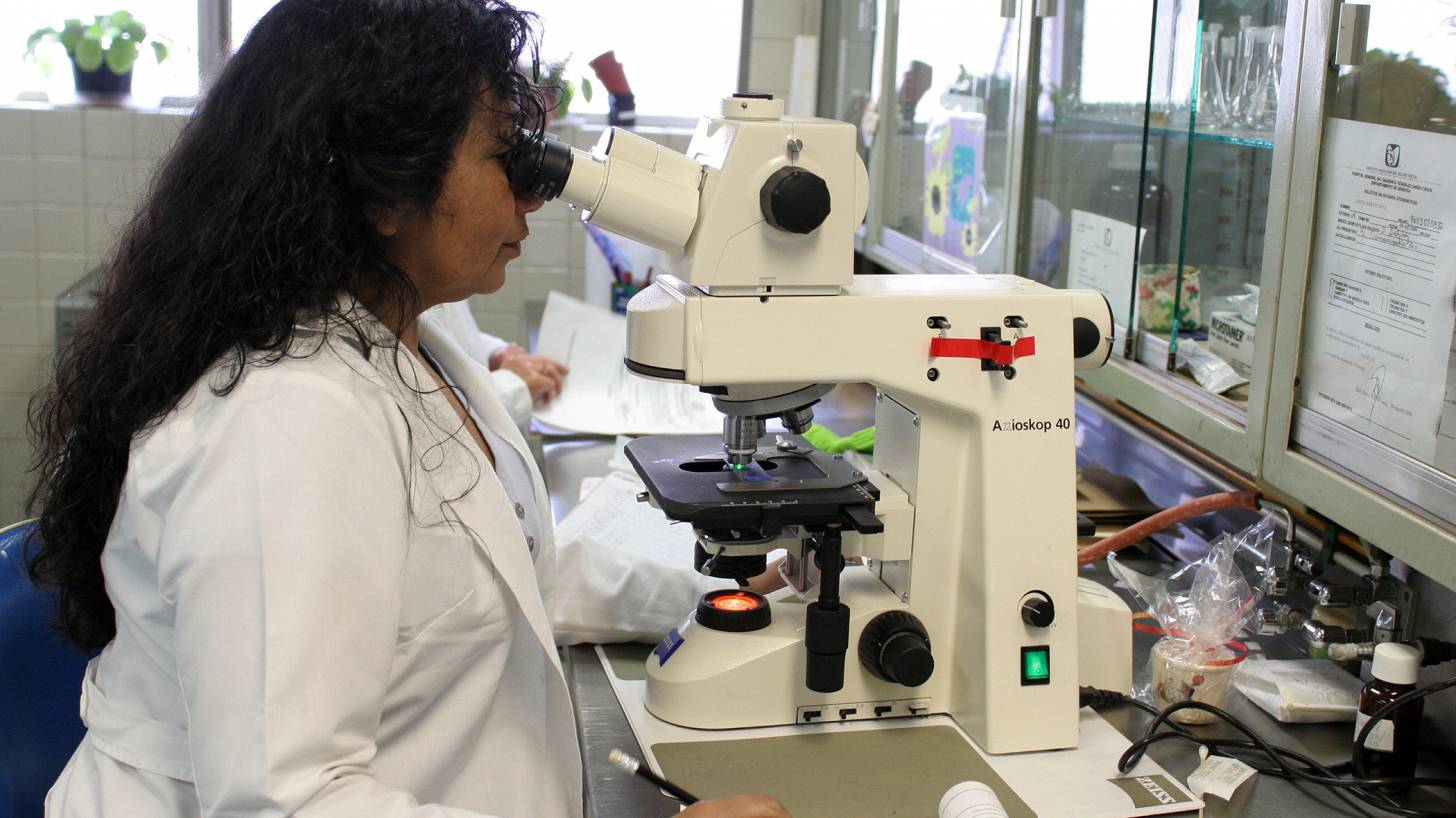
<point x="559" y="91"/>
<point x="102" y="53"/>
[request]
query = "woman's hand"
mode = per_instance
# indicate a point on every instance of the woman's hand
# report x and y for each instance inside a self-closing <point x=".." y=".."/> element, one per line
<point x="543" y="376"/>
<point x="738" y="806"/>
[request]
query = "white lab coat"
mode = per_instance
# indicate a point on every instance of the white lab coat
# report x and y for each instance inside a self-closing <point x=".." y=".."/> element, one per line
<point x="326" y="607"/>
<point x="512" y="390"/>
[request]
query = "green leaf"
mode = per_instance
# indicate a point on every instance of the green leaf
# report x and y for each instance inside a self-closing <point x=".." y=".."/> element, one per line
<point x="159" y="49"/>
<point x="34" y="39"/>
<point x="88" y="55"/>
<point x="135" y="30"/>
<point x="71" y="34"/>
<point x="121" y="56"/>
<point x="121" y="19"/>
<point x="586" y="89"/>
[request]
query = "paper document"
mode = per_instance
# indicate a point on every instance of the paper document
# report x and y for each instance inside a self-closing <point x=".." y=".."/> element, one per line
<point x="1100" y="257"/>
<point x="610" y="515"/>
<point x="1380" y="313"/>
<point x="600" y="396"/>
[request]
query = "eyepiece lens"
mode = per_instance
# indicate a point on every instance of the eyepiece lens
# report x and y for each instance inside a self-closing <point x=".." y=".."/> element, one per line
<point x="538" y="167"/>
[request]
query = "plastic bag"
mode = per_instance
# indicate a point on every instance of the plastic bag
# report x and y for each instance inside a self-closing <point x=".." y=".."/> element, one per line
<point x="1201" y="607"/>
<point x="1212" y="372"/>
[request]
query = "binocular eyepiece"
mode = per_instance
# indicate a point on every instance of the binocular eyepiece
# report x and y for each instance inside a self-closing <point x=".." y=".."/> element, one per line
<point x="538" y="167"/>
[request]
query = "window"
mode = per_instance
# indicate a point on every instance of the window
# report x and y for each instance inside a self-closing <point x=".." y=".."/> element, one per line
<point x="683" y="74"/>
<point x="51" y="72"/>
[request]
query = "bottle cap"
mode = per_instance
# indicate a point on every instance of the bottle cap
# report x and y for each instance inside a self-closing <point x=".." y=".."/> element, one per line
<point x="1396" y="663"/>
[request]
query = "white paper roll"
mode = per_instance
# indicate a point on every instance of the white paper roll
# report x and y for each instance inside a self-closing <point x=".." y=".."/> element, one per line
<point x="971" y="799"/>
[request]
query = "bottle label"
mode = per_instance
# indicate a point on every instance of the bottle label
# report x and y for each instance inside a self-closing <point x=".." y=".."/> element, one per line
<point x="1382" y="735"/>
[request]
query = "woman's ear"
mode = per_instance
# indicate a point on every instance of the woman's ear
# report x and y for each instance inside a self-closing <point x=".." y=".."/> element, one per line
<point x="386" y="219"/>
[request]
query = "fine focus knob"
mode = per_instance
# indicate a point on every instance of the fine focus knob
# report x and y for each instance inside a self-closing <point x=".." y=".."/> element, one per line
<point x="794" y="200"/>
<point x="895" y="647"/>
<point x="1037" y="610"/>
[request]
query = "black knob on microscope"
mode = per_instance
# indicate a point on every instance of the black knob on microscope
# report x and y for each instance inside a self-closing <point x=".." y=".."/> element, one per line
<point x="1037" y="610"/>
<point x="895" y="647"/>
<point x="794" y="200"/>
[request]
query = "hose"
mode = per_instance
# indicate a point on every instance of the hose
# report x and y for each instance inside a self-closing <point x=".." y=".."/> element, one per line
<point x="1167" y="518"/>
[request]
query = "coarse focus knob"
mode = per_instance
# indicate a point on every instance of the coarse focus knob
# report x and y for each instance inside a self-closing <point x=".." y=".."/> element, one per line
<point x="794" y="200"/>
<point x="895" y="647"/>
<point x="1037" y="610"/>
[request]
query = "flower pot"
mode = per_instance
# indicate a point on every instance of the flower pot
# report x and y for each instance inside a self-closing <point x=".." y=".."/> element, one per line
<point x="101" y="82"/>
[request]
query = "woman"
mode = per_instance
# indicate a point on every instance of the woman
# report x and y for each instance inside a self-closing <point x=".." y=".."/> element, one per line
<point x="292" y="513"/>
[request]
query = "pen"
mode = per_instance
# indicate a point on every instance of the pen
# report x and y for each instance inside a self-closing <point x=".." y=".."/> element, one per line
<point x="632" y="765"/>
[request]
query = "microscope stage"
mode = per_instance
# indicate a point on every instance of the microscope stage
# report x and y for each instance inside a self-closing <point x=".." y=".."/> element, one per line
<point x="790" y="483"/>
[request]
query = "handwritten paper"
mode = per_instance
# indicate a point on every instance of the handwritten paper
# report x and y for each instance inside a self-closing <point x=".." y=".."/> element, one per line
<point x="1380" y="312"/>
<point x="601" y="396"/>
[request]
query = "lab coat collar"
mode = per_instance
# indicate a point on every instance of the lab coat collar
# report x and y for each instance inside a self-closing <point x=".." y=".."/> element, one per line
<point x="352" y="323"/>
<point x="515" y="563"/>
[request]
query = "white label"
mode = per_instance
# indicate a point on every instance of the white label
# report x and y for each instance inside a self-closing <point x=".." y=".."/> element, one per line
<point x="1380" y="314"/>
<point x="1100" y="257"/>
<point x="1219" y="777"/>
<point x="1382" y="736"/>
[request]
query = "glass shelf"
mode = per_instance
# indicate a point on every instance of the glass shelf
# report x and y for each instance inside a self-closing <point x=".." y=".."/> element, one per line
<point x="1248" y="139"/>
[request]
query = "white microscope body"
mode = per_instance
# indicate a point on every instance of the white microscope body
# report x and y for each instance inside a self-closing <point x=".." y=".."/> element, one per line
<point x="969" y="594"/>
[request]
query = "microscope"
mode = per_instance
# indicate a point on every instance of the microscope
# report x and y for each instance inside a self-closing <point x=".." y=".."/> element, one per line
<point x="947" y="572"/>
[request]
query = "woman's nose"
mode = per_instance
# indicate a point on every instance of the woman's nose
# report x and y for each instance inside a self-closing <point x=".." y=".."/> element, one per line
<point x="528" y="204"/>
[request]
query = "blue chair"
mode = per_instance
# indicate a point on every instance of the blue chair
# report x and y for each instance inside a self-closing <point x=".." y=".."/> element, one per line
<point x="40" y="684"/>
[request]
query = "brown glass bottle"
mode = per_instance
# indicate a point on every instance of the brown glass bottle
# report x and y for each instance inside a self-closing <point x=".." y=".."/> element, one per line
<point x="1390" y="749"/>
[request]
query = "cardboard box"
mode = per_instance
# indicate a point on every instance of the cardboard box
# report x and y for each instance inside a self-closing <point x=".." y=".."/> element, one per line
<point x="1231" y="338"/>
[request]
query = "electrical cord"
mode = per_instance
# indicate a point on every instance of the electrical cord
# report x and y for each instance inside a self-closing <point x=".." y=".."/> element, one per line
<point x="1278" y="761"/>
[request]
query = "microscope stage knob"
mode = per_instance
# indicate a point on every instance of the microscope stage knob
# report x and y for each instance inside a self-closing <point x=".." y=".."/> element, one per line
<point x="895" y="647"/>
<point x="794" y="200"/>
<point x="1037" y="610"/>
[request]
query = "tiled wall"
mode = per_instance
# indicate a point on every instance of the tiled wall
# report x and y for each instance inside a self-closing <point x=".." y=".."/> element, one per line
<point x="70" y="176"/>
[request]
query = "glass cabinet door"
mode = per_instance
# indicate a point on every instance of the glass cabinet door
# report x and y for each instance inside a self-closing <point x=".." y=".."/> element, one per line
<point x="1150" y="175"/>
<point x="946" y="184"/>
<point x="1373" y="380"/>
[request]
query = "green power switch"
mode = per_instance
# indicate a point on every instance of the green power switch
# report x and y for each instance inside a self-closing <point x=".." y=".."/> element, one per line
<point x="1036" y="665"/>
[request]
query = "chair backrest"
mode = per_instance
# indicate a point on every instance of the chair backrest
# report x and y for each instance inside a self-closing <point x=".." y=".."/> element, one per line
<point x="40" y="683"/>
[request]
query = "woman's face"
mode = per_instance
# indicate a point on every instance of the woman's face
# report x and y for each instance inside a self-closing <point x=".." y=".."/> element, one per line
<point x="461" y="245"/>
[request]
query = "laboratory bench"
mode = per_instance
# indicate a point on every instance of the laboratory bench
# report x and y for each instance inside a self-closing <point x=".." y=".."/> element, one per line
<point x="1167" y="476"/>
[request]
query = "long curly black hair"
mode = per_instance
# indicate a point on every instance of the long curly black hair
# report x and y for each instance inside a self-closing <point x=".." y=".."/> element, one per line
<point x="257" y="215"/>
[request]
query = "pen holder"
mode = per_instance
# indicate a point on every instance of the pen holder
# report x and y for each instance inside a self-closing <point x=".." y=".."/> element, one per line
<point x="621" y="294"/>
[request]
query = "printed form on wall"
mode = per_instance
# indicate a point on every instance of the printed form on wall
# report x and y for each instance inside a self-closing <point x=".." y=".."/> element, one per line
<point x="1382" y="283"/>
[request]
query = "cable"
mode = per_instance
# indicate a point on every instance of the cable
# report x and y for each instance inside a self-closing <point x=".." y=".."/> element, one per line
<point x="1278" y="761"/>
<point x="1167" y="518"/>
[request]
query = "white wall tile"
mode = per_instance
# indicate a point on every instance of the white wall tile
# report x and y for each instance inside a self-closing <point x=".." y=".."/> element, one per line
<point x="508" y="325"/>
<point x="17" y="229"/>
<point x="15" y="131"/>
<point x="60" y="229"/>
<point x="60" y="180"/>
<point x="45" y="323"/>
<point x="777" y="18"/>
<point x="154" y="134"/>
<point x="546" y="246"/>
<point x="13" y="408"/>
<point x="17" y="179"/>
<point x="109" y="132"/>
<point x="17" y="324"/>
<point x="772" y="62"/>
<point x="109" y="182"/>
<point x="59" y="133"/>
<point x="56" y="272"/>
<point x="20" y="369"/>
<point x="103" y="226"/>
<point x="541" y="282"/>
<point x="17" y="275"/>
